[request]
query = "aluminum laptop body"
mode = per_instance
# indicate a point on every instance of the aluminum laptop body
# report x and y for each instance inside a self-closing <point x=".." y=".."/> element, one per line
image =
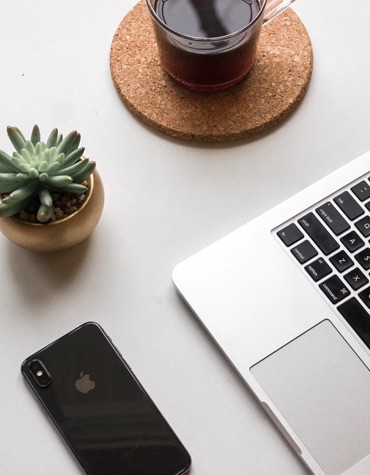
<point x="281" y="328"/>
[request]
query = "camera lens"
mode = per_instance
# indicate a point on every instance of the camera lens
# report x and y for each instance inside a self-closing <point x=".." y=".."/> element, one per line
<point x="40" y="373"/>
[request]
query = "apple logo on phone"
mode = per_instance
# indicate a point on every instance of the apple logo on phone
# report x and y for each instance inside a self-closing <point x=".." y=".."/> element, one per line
<point x="84" y="384"/>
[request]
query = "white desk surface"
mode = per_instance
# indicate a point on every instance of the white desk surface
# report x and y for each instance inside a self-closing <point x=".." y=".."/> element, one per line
<point x="165" y="200"/>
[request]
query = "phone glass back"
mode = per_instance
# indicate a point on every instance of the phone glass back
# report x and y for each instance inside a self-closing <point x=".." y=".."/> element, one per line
<point x="100" y="408"/>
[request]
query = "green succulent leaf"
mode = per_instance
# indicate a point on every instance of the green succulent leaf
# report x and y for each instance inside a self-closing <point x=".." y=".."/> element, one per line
<point x="59" y="140"/>
<point x="60" y="158"/>
<point x="10" y="182"/>
<point x="45" y="197"/>
<point x="69" y="143"/>
<point x="72" y="157"/>
<point x="55" y="160"/>
<point x="34" y="173"/>
<point x="53" y="167"/>
<point x="9" y="178"/>
<point x="39" y="148"/>
<point x="76" y="142"/>
<point x="74" y="188"/>
<point x="30" y="148"/>
<point x="6" y="164"/>
<point x="23" y="177"/>
<point x="43" y="166"/>
<point x="17" y="138"/>
<point x="55" y="181"/>
<point x="47" y="155"/>
<point x="35" y="135"/>
<point x="21" y="193"/>
<point x="9" y="209"/>
<point x="25" y="167"/>
<point x="52" y="139"/>
<point x="85" y="173"/>
<point x="73" y="169"/>
<point x="45" y="213"/>
<point x="27" y="156"/>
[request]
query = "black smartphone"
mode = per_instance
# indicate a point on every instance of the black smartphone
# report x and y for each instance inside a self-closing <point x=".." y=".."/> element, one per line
<point x="101" y="409"/>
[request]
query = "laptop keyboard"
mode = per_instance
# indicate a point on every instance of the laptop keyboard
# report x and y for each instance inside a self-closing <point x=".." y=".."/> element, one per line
<point x="330" y="242"/>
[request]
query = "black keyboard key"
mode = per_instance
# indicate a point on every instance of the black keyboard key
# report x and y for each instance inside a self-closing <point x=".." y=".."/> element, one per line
<point x="363" y="225"/>
<point x="362" y="190"/>
<point x="318" y="233"/>
<point x="341" y="261"/>
<point x="363" y="258"/>
<point x="331" y="216"/>
<point x="290" y="234"/>
<point x="334" y="289"/>
<point x="352" y="241"/>
<point x="365" y="296"/>
<point x="318" y="269"/>
<point x="356" y="279"/>
<point x="304" y="252"/>
<point x="357" y="317"/>
<point x="349" y="205"/>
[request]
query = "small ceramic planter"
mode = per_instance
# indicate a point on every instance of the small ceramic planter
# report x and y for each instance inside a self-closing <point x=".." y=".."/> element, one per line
<point x="63" y="233"/>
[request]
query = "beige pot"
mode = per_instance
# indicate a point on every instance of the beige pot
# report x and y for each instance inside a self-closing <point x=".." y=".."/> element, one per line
<point x="59" y="234"/>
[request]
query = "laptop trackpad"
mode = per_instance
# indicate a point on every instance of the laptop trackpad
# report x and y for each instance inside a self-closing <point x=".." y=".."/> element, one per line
<point x="322" y="389"/>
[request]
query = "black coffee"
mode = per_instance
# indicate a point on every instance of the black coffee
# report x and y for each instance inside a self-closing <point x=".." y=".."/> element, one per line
<point x="207" y="18"/>
<point x="211" y="64"/>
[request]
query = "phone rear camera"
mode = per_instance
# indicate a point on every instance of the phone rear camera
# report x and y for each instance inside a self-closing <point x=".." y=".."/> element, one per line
<point x="40" y="374"/>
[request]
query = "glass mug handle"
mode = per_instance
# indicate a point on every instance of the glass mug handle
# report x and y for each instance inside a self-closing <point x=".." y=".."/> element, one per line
<point x="274" y="8"/>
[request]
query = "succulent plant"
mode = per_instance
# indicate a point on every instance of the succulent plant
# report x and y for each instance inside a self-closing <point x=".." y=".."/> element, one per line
<point x="37" y="168"/>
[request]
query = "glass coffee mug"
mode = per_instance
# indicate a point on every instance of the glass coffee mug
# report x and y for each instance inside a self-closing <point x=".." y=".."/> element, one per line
<point x="209" y="45"/>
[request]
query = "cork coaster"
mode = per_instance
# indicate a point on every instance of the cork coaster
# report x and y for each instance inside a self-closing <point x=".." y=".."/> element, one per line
<point x="273" y="88"/>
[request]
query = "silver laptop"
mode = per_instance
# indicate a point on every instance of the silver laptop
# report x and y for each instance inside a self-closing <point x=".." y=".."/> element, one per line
<point x="287" y="299"/>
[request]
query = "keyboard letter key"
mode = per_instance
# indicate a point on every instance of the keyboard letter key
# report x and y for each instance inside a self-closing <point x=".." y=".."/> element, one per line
<point x="341" y="261"/>
<point x="318" y="233"/>
<point x="357" y="317"/>
<point x="318" y="269"/>
<point x="334" y="289"/>
<point x="352" y="241"/>
<point x="304" y="252"/>
<point x="365" y="297"/>
<point x="356" y="279"/>
<point x="290" y="234"/>
<point x="363" y="225"/>
<point x="363" y="258"/>
<point x="331" y="216"/>
<point x="349" y="205"/>
<point x="361" y="190"/>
